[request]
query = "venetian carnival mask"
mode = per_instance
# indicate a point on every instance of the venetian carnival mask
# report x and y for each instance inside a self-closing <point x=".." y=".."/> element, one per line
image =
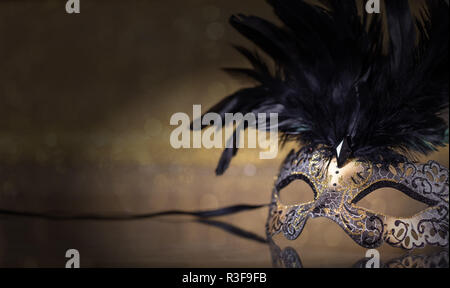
<point x="338" y="190"/>
<point x="360" y="107"/>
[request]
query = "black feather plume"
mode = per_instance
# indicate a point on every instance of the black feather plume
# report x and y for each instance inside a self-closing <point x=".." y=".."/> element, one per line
<point x="332" y="80"/>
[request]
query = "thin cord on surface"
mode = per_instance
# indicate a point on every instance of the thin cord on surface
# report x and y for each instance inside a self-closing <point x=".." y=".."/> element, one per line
<point x="201" y="214"/>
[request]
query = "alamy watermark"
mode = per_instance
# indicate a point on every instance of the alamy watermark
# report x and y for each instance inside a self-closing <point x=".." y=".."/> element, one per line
<point x="373" y="257"/>
<point x="262" y="131"/>
<point x="73" y="6"/>
<point x="373" y="6"/>
<point x="74" y="258"/>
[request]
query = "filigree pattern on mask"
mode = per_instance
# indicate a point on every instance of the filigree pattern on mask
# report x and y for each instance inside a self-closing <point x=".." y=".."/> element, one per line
<point x="335" y="197"/>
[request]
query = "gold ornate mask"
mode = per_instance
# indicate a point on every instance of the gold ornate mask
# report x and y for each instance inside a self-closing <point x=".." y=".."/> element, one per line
<point x="338" y="190"/>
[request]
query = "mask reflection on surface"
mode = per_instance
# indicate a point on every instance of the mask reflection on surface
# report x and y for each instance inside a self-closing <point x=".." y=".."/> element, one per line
<point x="289" y="258"/>
<point x="338" y="190"/>
<point x="432" y="260"/>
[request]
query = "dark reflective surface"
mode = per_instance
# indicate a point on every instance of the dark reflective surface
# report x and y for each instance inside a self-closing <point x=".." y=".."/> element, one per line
<point x="184" y="242"/>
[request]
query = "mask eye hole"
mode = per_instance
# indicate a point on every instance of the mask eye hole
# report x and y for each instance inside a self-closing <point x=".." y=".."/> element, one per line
<point x="393" y="202"/>
<point x="296" y="192"/>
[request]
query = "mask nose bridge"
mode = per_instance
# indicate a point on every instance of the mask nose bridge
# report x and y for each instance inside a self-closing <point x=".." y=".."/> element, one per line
<point x="326" y="205"/>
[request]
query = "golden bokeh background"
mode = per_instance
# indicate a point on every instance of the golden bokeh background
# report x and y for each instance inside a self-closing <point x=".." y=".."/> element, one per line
<point x="85" y="103"/>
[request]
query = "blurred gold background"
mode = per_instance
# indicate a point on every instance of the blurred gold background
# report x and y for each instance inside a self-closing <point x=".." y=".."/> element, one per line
<point x="85" y="103"/>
